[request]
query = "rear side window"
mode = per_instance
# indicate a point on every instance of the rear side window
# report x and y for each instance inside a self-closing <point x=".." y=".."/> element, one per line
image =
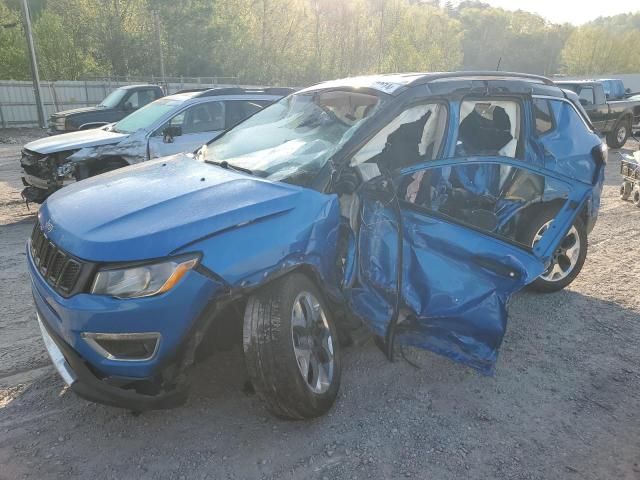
<point x="544" y="118"/>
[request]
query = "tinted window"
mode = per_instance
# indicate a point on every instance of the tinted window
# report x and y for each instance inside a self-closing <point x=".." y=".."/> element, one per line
<point x="113" y="99"/>
<point x="238" y="110"/>
<point x="544" y="121"/>
<point x="205" y="117"/>
<point x="486" y="196"/>
<point x="586" y="95"/>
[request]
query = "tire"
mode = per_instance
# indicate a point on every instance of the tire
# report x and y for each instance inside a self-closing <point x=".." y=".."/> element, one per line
<point x="635" y="197"/>
<point x="617" y="137"/>
<point x="625" y="190"/>
<point x="279" y="346"/>
<point x="567" y="267"/>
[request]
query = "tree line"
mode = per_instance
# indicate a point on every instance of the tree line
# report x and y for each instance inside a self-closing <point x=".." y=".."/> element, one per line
<point x="296" y="42"/>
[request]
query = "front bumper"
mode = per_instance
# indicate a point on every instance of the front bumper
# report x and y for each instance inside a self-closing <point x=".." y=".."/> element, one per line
<point x="82" y="380"/>
<point x="152" y="383"/>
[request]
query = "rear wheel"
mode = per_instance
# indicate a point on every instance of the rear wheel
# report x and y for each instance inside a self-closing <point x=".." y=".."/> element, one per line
<point x="567" y="260"/>
<point x="625" y="190"/>
<point x="617" y="137"/>
<point x="291" y="348"/>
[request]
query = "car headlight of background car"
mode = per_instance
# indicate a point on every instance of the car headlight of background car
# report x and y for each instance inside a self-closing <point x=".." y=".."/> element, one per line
<point x="142" y="280"/>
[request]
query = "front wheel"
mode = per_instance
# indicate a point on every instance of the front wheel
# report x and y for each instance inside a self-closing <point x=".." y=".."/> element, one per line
<point x="567" y="260"/>
<point x="291" y="348"/>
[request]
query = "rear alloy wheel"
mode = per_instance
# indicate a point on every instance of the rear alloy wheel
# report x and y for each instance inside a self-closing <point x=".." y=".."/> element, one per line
<point x="619" y="135"/>
<point x="291" y="348"/>
<point x="567" y="260"/>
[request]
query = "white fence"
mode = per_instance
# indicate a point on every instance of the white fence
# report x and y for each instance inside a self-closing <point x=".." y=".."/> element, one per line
<point x="18" y="104"/>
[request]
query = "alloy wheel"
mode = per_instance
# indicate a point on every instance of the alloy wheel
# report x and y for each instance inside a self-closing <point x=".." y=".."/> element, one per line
<point x="621" y="134"/>
<point x="564" y="258"/>
<point x="312" y="342"/>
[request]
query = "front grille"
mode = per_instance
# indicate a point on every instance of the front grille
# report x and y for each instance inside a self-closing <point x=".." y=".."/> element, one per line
<point x="34" y="163"/>
<point x="58" y="268"/>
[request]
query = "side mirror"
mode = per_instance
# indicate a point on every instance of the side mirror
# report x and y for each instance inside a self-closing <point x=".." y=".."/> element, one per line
<point x="627" y="91"/>
<point x="168" y="133"/>
<point x="607" y="96"/>
<point x="128" y="107"/>
<point x="583" y="102"/>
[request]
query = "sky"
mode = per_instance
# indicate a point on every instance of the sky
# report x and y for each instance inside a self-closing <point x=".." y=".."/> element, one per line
<point x="572" y="11"/>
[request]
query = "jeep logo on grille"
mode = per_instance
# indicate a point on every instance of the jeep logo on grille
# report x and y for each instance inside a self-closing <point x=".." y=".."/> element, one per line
<point x="48" y="227"/>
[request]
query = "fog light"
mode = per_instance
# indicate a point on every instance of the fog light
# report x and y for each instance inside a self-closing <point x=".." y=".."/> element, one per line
<point x="124" y="346"/>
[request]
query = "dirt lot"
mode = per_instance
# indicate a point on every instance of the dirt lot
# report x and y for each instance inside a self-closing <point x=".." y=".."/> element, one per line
<point x="564" y="403"/>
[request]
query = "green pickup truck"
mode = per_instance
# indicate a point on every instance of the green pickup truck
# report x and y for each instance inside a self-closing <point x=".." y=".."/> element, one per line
<point x="613" y="118"/>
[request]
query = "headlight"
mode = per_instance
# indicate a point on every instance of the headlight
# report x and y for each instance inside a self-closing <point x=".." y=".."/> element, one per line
<point x="60" y="123"/>
<point x="142" y="280"/>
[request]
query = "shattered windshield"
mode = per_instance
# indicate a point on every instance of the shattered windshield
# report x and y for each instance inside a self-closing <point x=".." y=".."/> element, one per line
<point x="293" y="139"/>
<point x="113" y="99"/>
<point x="146" y="116"/>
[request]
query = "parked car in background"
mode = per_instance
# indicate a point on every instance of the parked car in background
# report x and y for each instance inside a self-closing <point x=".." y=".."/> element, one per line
<point x="612" y="118"/>
<point x="614" y="89"/>
<point x="412" y="204"/>
<point x="177" y="123"/>
<point x="117" y="105"/>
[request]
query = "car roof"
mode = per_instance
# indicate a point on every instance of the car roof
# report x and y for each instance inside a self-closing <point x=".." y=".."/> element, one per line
<point x="145" y="85"/>
<point x="393" y="83"/>
<point x="578" y="82"/>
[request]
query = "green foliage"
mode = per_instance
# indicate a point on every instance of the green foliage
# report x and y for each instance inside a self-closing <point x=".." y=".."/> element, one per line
<point x="598" y="50"/>
<point x="606" y="45"/>
<point x="296" y="42"/>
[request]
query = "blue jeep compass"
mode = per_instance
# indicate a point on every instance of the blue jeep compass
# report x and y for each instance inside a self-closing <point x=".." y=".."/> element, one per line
<point x="412" y="205"/>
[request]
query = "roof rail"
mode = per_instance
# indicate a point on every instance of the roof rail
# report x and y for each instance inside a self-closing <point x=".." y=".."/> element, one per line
<point x="484" y="73"/>
<point x="190" y="90"/>
<point x="212" y="92"/>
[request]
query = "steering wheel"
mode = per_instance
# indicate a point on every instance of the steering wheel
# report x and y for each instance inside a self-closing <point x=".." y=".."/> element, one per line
<point x="333" y="116"/>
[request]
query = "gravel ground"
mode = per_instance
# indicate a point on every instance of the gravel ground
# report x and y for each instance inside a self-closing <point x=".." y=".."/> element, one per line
<point x="564" y="403"/>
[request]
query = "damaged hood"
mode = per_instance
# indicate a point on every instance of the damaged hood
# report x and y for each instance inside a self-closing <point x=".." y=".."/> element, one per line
<point x="151" y="209"/>
<point x="75" y="140"/>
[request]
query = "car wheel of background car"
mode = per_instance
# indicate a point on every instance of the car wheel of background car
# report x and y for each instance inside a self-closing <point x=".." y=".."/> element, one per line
<point x="567" y="260"/>
<point x="625" y="190"/>
<point x="636" y="197"/>
<point x="291" y="348"/>
<point x="618" y="136"/>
